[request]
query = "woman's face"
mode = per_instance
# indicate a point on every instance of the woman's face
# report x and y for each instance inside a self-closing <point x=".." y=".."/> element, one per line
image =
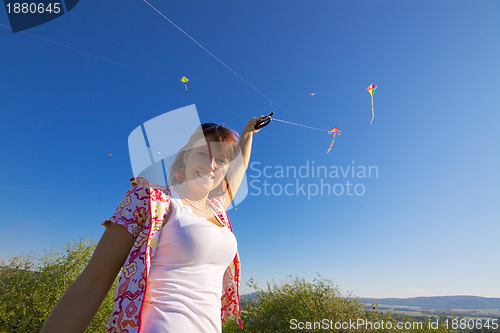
<point x="205" y="168"/>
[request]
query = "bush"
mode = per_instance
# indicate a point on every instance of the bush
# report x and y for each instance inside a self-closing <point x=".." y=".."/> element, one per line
<point x="298" y="305"/>
<point x="31" y="285"/>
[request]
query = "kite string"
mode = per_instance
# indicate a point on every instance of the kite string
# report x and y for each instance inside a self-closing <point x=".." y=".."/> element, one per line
<point x="47" y="191"/>
<point x="92" y="55"/>
<point x="220" y="61"/>
<point x="153" y="74"/>
<point x="299" y="125"/>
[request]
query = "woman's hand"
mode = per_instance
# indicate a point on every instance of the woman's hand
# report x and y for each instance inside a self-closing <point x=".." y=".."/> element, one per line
<point x="250" y="126"/>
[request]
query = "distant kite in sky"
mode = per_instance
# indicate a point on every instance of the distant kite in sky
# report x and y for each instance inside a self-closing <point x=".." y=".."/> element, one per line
<point x="371" y="90"/>
<point x="185" y="80"/>
<point x="313" y="94"/>
<point x="333" y="131"/>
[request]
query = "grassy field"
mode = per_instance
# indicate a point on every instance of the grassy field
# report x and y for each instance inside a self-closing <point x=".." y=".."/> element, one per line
<point x="419" y="311"/>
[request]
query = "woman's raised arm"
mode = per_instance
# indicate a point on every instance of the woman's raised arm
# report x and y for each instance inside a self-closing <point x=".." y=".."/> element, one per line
<point x="79" y="304"/>
<point x="241" y="163"/>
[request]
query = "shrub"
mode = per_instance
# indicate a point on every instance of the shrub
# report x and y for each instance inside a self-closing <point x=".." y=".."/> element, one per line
<point x="318" y="306"/>
<point x="31" y="285"/>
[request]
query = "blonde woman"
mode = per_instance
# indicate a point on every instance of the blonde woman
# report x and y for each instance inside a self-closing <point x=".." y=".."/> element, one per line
<point x="173" y="244"/>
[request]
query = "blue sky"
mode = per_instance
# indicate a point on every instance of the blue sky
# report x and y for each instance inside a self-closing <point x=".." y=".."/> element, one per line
<point x="426" y="224"/>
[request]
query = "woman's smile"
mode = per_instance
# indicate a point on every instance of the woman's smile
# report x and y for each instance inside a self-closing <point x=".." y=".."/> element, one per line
<point x="208" y="176"/>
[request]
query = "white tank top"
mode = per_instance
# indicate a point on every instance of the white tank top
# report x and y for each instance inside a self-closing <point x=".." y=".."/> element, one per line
<point x="185" y="281"/>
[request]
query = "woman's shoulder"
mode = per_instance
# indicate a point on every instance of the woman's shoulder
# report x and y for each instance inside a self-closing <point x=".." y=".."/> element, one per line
<point x="219" y="202"/>
<point x="147" y="185"/>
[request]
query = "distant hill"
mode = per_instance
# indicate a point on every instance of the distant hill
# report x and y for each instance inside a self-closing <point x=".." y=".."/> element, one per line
<point x="432" y="302"/>
<point x="440" y="302"/>
<point x="245" y="297"/>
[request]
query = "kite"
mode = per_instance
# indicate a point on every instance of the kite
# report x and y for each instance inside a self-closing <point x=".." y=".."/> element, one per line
<point x="371" y="90"/>
<point x="313" y="94"/>
<point x="185" y="80"/>
<point x="264" y="121"/>
<point x="333" y="131"/>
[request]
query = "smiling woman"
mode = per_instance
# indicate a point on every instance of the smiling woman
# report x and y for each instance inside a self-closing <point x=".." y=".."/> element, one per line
<point x="210" y="147"/>
<point x="180" y="269"/>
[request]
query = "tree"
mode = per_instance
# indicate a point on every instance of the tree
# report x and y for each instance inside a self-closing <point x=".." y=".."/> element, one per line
<point x="31" y="285"/>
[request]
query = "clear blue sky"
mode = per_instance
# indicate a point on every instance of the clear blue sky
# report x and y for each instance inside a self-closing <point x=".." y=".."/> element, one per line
<point x="427" y="225"/>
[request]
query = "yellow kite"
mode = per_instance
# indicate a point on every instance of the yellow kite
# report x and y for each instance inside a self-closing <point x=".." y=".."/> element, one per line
<point x="371" y="89"/>
<point x="185" y="80"/>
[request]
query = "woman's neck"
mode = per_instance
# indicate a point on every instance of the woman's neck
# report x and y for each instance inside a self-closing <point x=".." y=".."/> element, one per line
<point x="187" y="193"/>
